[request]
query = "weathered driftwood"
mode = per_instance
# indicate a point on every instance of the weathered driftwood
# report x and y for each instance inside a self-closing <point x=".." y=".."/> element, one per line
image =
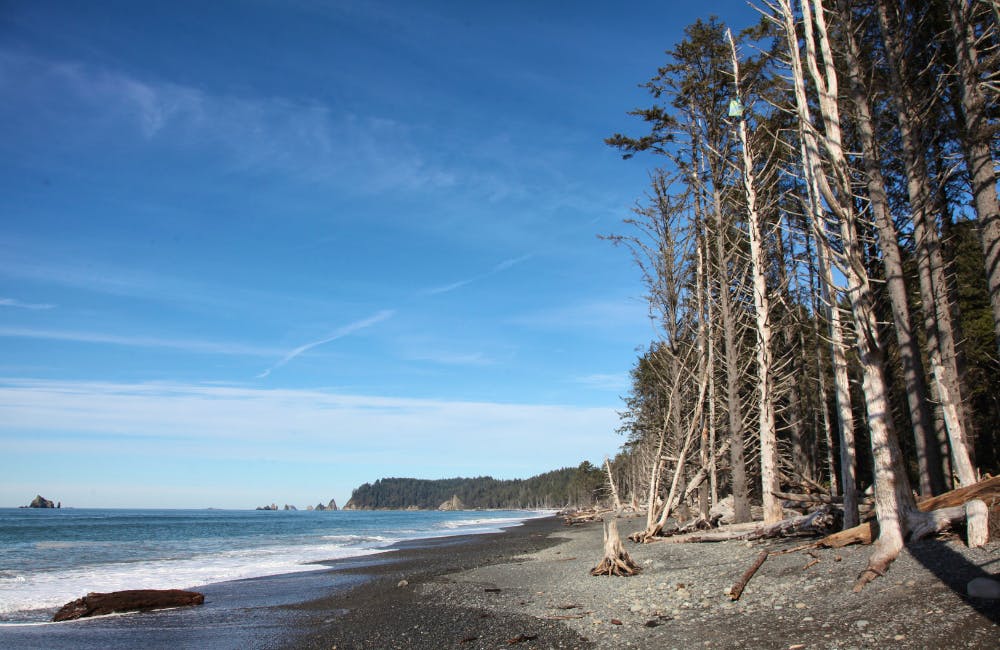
<point x="737" y="589"/>
<point x="987" y="489"/>
<point x="616" y="561"/>
<point x="133" y="600"/>
<point x="814" y="522"/>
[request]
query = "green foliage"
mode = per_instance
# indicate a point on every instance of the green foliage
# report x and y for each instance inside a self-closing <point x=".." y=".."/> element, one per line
<point x="570" y="486"/>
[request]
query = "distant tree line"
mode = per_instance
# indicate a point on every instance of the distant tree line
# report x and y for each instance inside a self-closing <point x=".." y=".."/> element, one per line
<point x="568" y="487"/>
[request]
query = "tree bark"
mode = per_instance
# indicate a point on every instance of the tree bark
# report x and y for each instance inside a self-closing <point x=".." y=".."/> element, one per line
<point x="893" y="500"/>
<point x="765" y="364"/>
<point x="737" y="461"/>
<point x="933" y="284"/>
<point x="928" y="452"/>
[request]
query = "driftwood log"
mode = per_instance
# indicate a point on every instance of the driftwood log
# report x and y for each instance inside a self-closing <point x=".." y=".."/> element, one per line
<point x="986" y="491"/>
<point x="814" y="522"/>
<point x="133" y="600"/>
<point x="737" y="589"/>
<point x="616" y="561"/>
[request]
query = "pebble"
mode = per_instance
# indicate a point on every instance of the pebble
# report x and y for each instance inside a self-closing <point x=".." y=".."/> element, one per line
<point x="861" y="624"/>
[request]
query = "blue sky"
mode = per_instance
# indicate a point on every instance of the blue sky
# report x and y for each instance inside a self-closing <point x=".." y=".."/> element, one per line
<point x="269" y="250"/>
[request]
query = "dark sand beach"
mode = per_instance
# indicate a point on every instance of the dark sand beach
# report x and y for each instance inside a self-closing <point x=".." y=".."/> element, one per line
<point x="529" y="587"/>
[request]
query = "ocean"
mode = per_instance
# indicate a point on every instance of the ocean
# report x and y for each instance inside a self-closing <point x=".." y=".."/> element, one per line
<point x="51" y="557"/>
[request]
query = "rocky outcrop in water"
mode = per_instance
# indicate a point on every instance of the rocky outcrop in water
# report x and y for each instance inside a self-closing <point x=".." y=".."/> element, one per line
<point x="133" y="600"/>
<point x="288" y="507"/>
<point x="273" y="506"/>
<point x="330" y="506"/>
<point x="41" y="502"/>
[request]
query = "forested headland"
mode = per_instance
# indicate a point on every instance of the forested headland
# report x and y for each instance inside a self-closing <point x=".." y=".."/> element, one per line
<point x="568" y="487"/>
<point x="820" y="247"/>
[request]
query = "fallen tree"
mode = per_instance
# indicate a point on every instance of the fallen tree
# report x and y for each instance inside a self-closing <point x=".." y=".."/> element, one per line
<point x="944" y="510"/>
<point x="132" y="600"/>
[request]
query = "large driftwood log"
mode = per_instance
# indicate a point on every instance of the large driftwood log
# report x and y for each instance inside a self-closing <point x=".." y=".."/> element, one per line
<point x="987" y="490"/>
<point x="814" y="522"/>
<point x="616" y="561"/>
<point x="133" y="600"/>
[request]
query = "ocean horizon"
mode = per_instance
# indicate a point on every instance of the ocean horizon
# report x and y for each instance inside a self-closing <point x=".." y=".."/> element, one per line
<point x="49" y="557"/>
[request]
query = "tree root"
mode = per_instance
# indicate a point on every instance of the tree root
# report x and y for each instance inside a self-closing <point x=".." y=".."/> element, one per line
<point x="616" y="561"/>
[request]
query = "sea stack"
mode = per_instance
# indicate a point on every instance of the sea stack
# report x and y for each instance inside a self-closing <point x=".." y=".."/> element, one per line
<point x="41" y="502"/>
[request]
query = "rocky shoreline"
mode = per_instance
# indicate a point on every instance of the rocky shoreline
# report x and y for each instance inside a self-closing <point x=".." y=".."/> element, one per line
<point x="531" y="587"/>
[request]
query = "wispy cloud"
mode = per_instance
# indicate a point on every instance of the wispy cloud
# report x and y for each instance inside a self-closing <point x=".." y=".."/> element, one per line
<point x="498" y="268"/>
<point x="339" y="333"/>
<point x="624" y="315"/>
<point x="447" y="288"/>
<point x="175" y="419"/>
<point x="11" y="302"/>
<point x="186" y="345"/>
<point x="303" y="138"/>
<point x="605" y="381"/>
<point x="510" y="263"/>
<point x="451" y="358"/>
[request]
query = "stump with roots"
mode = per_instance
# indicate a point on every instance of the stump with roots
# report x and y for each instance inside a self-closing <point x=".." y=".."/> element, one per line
<point x="616" y="560"/>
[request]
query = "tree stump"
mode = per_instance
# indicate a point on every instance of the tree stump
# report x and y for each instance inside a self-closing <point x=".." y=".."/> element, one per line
<point x="616" y="560"/>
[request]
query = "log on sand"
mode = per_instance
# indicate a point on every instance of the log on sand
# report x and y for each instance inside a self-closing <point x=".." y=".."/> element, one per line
<point x="133" y="600"/>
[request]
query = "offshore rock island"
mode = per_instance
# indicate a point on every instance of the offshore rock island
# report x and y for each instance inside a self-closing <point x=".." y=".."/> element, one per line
<point x="41" y="502"/>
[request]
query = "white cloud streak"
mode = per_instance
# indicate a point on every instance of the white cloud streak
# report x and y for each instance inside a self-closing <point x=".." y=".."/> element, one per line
<point x="12" y="302"/>
<point x="499" y="268"/>
<point x="186" y="345"/>
<point x="339" y="333"/>
<point x="300" y="425"/>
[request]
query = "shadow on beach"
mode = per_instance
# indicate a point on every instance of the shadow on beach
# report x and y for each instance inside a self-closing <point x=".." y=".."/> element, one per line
<point x="955" y="571"/>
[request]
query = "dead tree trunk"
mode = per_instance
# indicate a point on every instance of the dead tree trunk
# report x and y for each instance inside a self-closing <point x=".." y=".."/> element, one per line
<point x="926" y="444"/>
<point x="765" y="365"/>
<point x="933" y="285"/>
<point x="611" y="483"/>
<point x="616" y="561"/>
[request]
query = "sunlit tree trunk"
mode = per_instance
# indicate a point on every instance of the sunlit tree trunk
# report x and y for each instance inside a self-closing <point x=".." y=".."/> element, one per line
<point x="765" y="366"/>
<point x="926" y="444"/>
<point x="930" y="261"/>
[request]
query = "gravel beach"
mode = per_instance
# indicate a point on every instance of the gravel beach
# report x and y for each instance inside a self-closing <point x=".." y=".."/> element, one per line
<point x="530" y="587"/>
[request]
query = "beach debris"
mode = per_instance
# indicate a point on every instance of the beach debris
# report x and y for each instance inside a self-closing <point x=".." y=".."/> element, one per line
<point x="616" y="559"/>
<point x="741" y="584"/>
<point x="521" y="638"/>
<point x="615" y="621"/>
<point x="402" y="583"/>
<point x="492" y="590"/>
<point x="132" y="600"/>
<point x="468" y="639"/>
